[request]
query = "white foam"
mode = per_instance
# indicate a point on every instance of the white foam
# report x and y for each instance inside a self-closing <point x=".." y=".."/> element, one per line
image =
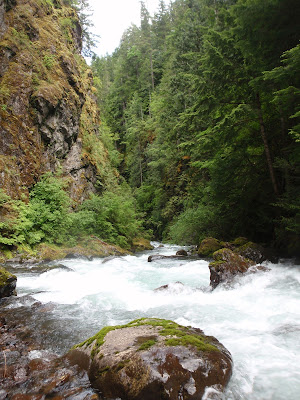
<point x="256" y="318"/>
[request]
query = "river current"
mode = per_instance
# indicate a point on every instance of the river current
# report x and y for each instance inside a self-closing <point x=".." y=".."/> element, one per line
<point x="257" y="317"/>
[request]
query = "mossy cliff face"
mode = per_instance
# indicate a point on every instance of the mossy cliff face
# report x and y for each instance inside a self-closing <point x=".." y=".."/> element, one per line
<point x="49" y="120"/>
<point x="152" y="358"/>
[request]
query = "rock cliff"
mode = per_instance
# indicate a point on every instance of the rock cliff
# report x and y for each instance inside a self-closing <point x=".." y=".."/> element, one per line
<point x="49" y="120"/>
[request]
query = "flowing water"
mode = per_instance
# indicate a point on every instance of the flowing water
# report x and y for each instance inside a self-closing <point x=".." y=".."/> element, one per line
<point x="256" y="317"/>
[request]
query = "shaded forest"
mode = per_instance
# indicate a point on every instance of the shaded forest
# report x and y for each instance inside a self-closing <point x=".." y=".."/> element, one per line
<point x="202" y="105"/>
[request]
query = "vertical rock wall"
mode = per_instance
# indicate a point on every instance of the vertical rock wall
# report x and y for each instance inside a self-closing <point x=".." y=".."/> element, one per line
<point x="49" y="120"/>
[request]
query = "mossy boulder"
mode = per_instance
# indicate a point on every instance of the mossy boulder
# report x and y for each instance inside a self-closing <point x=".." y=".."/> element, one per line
<point x="141" y="244"/>
<point x="153" y="359"/>
<point x="208" y="246"/>
<point x="182" y="252"/>
<point x="226" y="265"/>
<point x="8" y="283"/>
<point x="240" y="241"/>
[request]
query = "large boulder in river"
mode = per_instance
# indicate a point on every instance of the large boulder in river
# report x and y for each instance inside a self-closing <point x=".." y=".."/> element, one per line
<point x="151" y="359"/>
<point x="226" y="265"/>
<point x="8" y="283"/>
<point x="208" y="246"/>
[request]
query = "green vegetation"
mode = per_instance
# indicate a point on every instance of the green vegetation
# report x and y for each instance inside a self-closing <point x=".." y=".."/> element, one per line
<point x="176" y="335"/>
<point x="200" y="132"/>
<point x="49" y="60"/>
<point x="146" y="345"/>
<point x="111" y="216"/>
<point x="203" y="100"/>
<point x="47" y="217"/>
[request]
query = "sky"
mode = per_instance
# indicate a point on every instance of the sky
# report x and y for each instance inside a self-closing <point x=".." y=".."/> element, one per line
<point x="112" y="17"/>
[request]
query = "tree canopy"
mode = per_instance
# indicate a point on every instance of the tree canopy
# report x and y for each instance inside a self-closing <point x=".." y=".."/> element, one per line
<point x="203" y="99"/>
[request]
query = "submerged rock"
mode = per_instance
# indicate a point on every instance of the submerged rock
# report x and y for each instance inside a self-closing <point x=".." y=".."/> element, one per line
<point x="29" y="372"/>
<point x="181" y="252"/>
<point x="161" y="257"/>
<point x="226" y="265"/>
<point x="153" y="359"/>
<point x="177" y="285"/>
<point x="8" y="283"/>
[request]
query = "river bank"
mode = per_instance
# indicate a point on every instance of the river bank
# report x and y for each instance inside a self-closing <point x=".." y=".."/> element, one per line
<point x="88" y="247"/>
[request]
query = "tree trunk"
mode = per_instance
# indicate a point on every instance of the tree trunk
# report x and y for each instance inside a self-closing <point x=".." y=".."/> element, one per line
<point x="140" y="163"/>
<point x="151" y="66"/>
<point x="266" y="146"/>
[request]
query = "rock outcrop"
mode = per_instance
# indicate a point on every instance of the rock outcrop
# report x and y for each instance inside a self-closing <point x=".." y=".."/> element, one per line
<point x="49" y="119"/>
<point x="208" y="246"/>
<point x="154" y="359"/>
<point x="253" y="251"/>
<point x="241" y="245"/>
<point x="89" y="247"/>
<point x="141" y="244"/>
<point x="226" y="266"/>
<point x="28" y="372"/>
<point x="8" y="283"/>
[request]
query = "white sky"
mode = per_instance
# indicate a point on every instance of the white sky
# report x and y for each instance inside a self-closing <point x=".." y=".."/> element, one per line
<point x="112" y="17"/>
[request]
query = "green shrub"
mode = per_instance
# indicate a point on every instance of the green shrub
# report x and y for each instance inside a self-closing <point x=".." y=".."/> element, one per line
<point x="49" y="60"/>
<point x="192" y="225"/>
<point x="112" y="217"/>
<point x="46" y="217"/>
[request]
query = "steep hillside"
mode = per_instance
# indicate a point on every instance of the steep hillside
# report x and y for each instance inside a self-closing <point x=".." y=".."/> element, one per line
<point x="49" y="120"/>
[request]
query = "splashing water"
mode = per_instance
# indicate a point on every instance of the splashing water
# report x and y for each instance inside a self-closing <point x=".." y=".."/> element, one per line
<point x="256" y="318"/>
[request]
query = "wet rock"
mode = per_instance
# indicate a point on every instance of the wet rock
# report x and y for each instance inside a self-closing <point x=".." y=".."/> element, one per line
<point x="259" y="268"/>
<point x="75" y="256"/>
<point x="15" y="260"/>
<point x="27" y="372"/>
<point x="208" y="246"/>
<point x="252" y="251"/>
<point x="8" y="283"/>
<point x="156" y="257"/>
<point x="226" y="265"/>
<point x="168" y="286"/>
<point x="154" y="359"/>
<point x="141" y="244"/>
<point x="181" y="253"/>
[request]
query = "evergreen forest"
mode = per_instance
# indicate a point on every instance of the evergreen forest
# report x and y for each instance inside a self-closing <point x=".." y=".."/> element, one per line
<point x="202" y="103"/>
<point x="199" y="132"/>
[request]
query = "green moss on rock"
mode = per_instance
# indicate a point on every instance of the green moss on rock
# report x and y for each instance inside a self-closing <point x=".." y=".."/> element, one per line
<point x="141" y="244"/>
<point x="208" y="246"/>
<point x="175" y="335"/>
<point x="240" y="241"/>
<point x="7" y="283"/>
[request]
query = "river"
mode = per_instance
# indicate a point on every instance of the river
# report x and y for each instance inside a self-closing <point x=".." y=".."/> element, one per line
<point x="257" y="317"/>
